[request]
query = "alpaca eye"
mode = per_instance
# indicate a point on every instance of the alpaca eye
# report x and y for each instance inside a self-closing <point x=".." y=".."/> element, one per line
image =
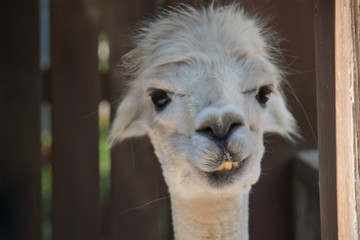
<point x="160" y="99"/>
<point x="263" y="95"/>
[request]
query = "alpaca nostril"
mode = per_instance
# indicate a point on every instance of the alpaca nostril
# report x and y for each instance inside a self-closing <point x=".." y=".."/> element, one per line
<point x="207" y="131"/>
<point x="233" y="127"/>
<point x="219" y="132"/>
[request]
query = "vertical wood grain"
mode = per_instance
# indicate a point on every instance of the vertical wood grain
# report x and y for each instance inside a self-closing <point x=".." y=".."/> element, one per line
<point x="338" y="119"/>
<point x="345" y="61"/>
<point x="20" y="92"/>
<point x="325" y="84"/>
<point x="75" y="94"/>
<point x="355" y="29"/>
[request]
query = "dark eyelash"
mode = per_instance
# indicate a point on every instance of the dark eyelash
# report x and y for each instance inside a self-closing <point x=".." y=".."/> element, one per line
<point x="269" y="87"/>
<point x="250" y="91"/>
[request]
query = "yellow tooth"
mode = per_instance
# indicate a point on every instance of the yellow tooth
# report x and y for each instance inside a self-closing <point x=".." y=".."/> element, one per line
<point x="221" y="167"/>
<point x="228" y="165"/>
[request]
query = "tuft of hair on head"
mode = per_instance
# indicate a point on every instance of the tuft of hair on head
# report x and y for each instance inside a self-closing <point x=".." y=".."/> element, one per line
<point x="167" y="21"/>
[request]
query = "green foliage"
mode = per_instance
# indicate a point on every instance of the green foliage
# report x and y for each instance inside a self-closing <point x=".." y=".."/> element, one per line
<point x="103" y="53"/>
<point x="46" y="182"/>
<point x="105" y="163"/>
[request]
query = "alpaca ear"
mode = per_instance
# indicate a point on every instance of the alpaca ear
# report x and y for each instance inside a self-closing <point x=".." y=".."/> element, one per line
<point x="132" y="118"/>
<point x="280" y="119"/>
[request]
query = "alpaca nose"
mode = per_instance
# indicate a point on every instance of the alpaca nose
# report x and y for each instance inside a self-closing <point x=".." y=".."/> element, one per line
<point x="220" y="127"/>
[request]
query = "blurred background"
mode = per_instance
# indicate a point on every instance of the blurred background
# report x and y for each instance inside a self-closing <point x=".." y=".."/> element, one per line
<point x="60" y="83"/>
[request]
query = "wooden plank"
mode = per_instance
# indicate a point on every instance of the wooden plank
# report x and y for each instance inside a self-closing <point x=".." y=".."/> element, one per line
<point x="325" y="74"/>
<point x="356" y="45"/>
<point x="20" y="92"/>
<point x="75" y="94"/>
<point x="346" y="78"/>
<point x="135" y="171"/>
<point x="337" y="86"/>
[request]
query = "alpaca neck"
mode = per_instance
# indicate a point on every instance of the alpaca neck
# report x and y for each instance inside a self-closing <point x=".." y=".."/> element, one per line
<point x="220" y="218"/>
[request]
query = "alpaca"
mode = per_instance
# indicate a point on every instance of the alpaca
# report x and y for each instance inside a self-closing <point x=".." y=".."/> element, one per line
<point x="205" y="85"/>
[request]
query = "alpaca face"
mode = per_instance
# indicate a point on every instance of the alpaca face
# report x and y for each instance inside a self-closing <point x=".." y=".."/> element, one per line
<point x="206" y="94"/>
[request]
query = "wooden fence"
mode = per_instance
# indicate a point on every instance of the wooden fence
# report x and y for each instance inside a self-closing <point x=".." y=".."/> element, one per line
<point x="74" y="86"/>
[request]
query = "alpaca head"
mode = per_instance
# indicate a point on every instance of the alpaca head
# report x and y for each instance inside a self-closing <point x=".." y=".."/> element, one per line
<point x="205" y="87"/>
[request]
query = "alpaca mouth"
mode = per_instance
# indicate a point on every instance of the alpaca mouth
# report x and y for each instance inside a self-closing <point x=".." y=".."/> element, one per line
<point x="226" y="174"/>
<point x="228" y="165"/>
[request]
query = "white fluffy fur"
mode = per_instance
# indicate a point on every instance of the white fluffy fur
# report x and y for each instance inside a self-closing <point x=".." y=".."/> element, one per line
<point x="211" y="62"/>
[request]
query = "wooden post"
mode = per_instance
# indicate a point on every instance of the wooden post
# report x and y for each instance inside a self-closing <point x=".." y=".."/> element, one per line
<point x="20" y="157"/>
<point x="135" y="172"/>
<point x="75" y="93"/>
<point x="337" y="62"/>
